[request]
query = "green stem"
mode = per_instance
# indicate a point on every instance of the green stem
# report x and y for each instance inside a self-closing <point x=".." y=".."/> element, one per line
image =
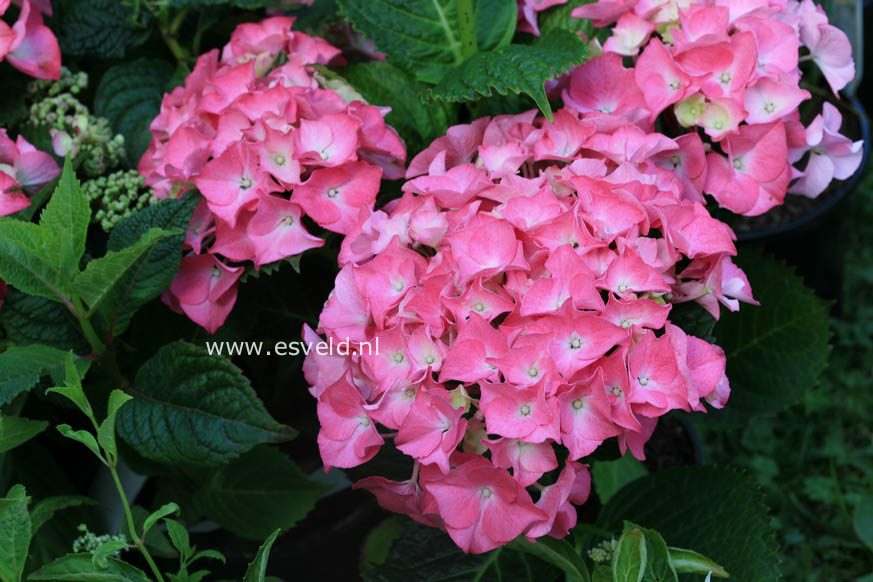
<point x="138" y="542"/>
<point x="87" y="329"/>
<point x="469" y="44"/>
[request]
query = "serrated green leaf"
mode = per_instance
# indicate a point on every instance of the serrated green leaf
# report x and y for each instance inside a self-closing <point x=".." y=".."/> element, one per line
<point x="179" y="536"/>
<point x="382" y="83"/>
<point x="97" y="28"/>
<point x="862" y="520"/>
<point x="779" y="350"/>
<point x="16" y="430"/>
<point x="558" y="18"/>
<point x="694" y="320"/>
<point x="66" y="217"/>
<point x="37" y="320"/>
<point x="259" y="492"/>
<point x="630" y="557"/>
<point x="257" y="570"/>
<point x="610" y="476"/>
<point x="43" y="511"/>
<point x="73" y="391"/>
<point x="26" y="261"/>
<point x="79" y="568"/>
<point x="22" y="366"/>
<point x="100" y="556"/>
<point x="559" y="553"/>
<point x="106" y="430"/>
<point x="104" y="278"/>
<point x="129" y="96"/>
<point x="422" y="554"/>
<point x="155" y="270"/>
<point x="717" y="512"/>
<point x="422" y="36"/>
<point x="15" y="535"/>
<point x="164" y="511"/>
<point x="191" y="408"/>
<point x="690" y="562"/>
<point x="81" y="436"/>
<point x="602" y="574"/>
<point x="516" y="68"/>
<point x="378" y="542"/>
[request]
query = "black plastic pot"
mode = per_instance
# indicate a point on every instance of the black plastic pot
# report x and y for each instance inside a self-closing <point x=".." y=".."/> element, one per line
<point x="813" y="242"/>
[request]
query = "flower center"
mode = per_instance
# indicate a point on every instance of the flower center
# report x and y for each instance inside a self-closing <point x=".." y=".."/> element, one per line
<point x="365" y="421"/>
<point x="575" y="343"/>
<point x="533" y="371"/>
<point x="398" y="357"/>
<point x="524" y="410"/>
<point x="643" y="380"/>
<point x="215" y="273"/>
<point x="398" y="285"/>
<point x="288" y="220"/>
<point x="770" y="107"/>
<point x="279" y="159"/>
<point x="429" y="359"/>
<point x="674" y="84"/>
<point x="486" y="492"/>
<point x="479" y="306"/>
<point x="676" y="161"/>
<point x="738" y="164"/>
<point x="577" y="404"/>
<point x="245" y="183"/>
<point x="617" y="392"/>
<point x="332" y="192"/>
<point x="725" y="78"/>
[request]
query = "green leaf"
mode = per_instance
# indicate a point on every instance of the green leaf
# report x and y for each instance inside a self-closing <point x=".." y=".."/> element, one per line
<point x="106" y="430"/>
<point x="694" y="320"/>
<point x="257" y="570"/>
<point x="718" y="512"/>
<point x="26" y="261"/>
<point x="516" y="68"/>
<point x="37" y="320"/>
<point x="81" y="436"/>
<point x="422" y="554"/>
<point x="863" y="521"/>
<point x="22" y="366"/>
<point x="104" y="278"/>
<point x="73" y="390"/>
<point x="43" y="511"/>
<point x="777" y="351"/>
<point x="155" y="270"/>
<point x="180" y="538"/>
<point x="423" y="36"/>
<point x="164" y="511"/>
<point x="66" y="217"/>
<point x="557" y="552"/>
<point x="15" y="534"/>
<point x="79" y="568"/>
<point x="261" y="491"/>
<point x="16" y="430"/>
<point x="630" y="557"/>
<point x="100" y="556"/>
<point x="690" y="562"/>
<point x="382" y="83"/>
<point x="558" y="18"/>
<point x="602" y="573"/>
<point x="378" y="542"/>
<point x="212" y="554"/>
<point x="95" y="28"/>
<point x="156" y="540"/>
<point x="129" y="96"/>
<point x="195" y="409"/>
<point x="610" y="476"/>
<point x="659" y="567"/>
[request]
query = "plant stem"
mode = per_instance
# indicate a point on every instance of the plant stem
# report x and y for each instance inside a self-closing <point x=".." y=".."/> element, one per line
<point x="87" y="329"/>
<point x="138" y="542"/>
<point x="469" y="44"/>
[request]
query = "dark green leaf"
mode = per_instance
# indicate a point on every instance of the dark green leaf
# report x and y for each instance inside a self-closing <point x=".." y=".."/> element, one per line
<point x="558" y="18"/>
<point x="559" y="553"/>
<point x="100" y="556"/>
<point x="863" y="522"/>
<point x="180" y="538"/>
<point x="515" y="68"/>
<point x="79" y="568"/>
<point x="659" y="567"/>
<point x="21" y="367"/>
<point x="777" y="351"/>
<point x="37" y="320"/>
<point x="155" y="270"/>
<point x="95" y="28"/>
<point x="164" y="511"/>
<point x="16" y="430"/>
<point x="66" y="217"/>
<point x="610" y="476"/>
<point x="694" y="320"/>
<point x="46" y="508"/>
<point x="690" y="562"/>
<point x="81" y="436"/>
<point x="261" y="491"/>
<point x="717" y="512"/>
<point x="423" y="36"/>
<point x="257" y="570"/>
<point x="27" y="263"/>
<point x="424" y="554"/>
<point x="106" y="430"/>
<point x="156" y="540"/>
<point x="378" y="542"/>
<point x="14" y="534"/>
<point x="195" y="409"/>
<point x="129" y="96"/>
<point x="381" y="83"/>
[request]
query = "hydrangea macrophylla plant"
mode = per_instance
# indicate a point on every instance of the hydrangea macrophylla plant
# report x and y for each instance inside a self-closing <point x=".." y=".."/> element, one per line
<point x="732" y="70"/>
<point x="29" y="45"/>
<point x="517" y="299"/>
<point x="23" y="170"/>
<point x="254" y="131"/>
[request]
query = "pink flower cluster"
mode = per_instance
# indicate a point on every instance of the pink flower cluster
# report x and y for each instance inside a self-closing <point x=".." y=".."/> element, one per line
<point x="245" y="130"/>
<point x="23" y="169"/>
<point x="29" y="45"/>
<point x="730" y="68"/>
<point x="516" y="298"/>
